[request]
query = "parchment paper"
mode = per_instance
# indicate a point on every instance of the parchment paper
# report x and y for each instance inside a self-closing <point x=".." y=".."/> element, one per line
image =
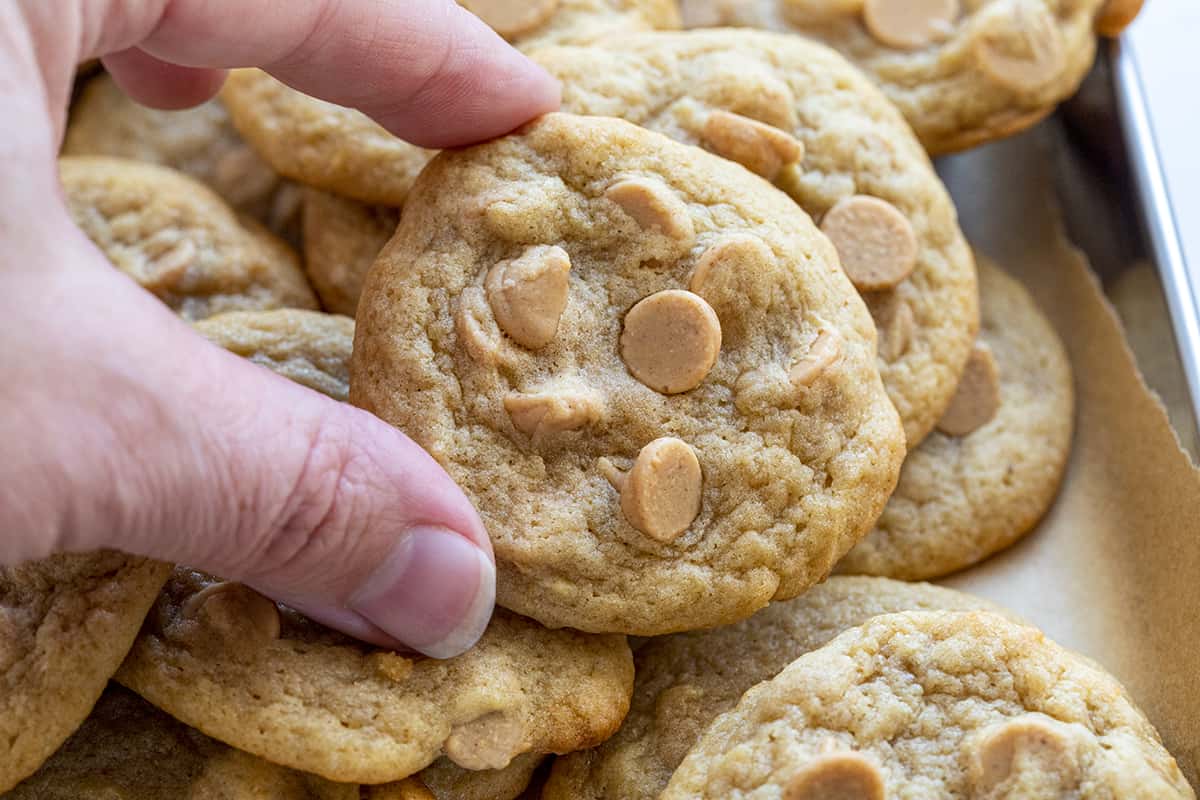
<point x="1114" y="569"/>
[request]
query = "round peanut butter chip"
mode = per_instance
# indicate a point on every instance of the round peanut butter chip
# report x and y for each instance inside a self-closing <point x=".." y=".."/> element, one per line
<point x="1116" y="16"/>
<point x="1025" y="56"/>
<point x="234" y="609"/>
<point x="825" y="351"/>
<point x="511" y="18"/>
<point x="529" y="294"/>
<point x="1026" y="745"/>
<point x="910" y="24"/>
<point x="978" y="396"/>
<point x="671" y="340"/>
<point x="488" y="742"/>
<point x="875" y="242"/>
<point x="760" y="148"/>
<point x="553" y="410"/>
<point x="837" y="776"/>
<point x="655" y="207"/>
<point x="660" y="495"/>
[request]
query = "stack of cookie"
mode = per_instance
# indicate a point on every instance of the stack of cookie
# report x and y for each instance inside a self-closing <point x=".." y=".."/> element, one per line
<point x="705" y="338"/>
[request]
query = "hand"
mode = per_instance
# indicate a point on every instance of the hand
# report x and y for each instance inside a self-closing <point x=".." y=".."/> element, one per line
<point x="120" y="427"/>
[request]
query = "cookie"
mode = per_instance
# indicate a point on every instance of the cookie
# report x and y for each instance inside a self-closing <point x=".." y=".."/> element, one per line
<point x="266" y="680"/>
<point x="129" y="750"/>
<point x="962" y="73"/>
<point x="342" y="238"/>
<point x="529" y="24"/>
<point x="320" y="144"/>
<point x="686" y="681"/>
<point x="444" y="780"/>
<point x="933" y="704"/>
<point x="308" y="347"/>
<point x="641" y="363"/>
<point x="801" y="116"/>
<point x="992" y="469"/>
<point x="200" y="142"/>
<point x="179" y="240"/>
<point x="66" y="623"/>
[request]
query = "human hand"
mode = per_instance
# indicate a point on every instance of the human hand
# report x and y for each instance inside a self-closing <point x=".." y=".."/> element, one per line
<point x="123" y="428"/>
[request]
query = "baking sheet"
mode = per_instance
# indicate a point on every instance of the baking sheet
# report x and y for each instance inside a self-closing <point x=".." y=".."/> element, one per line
<point x="1114" y="569"/>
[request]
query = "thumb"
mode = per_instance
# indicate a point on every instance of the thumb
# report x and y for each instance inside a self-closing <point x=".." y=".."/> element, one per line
<point x="129" y="430"/>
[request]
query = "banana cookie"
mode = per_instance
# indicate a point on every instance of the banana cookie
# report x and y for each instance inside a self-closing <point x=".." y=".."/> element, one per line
<point x="200" y="142"/>
<point x="179" y="240"/>
<point x="308" y="347"/>
<point x="686" y="681"/>
<point x="534" y="23"/>
<point x="933" y="704"/>
<point x="262" y="678"/>
<point x="342" y="239"/>
<point x="321" y="144"/>
<point x="800" y="115"/>
<point x="66" y="623"/>
<point x="993" y="467"/>
<point x="644" y="366"/>
<point x="963" y="72"/>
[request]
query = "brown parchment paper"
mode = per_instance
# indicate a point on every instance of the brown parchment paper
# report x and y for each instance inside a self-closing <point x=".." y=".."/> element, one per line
<point x="1114" y="569"/>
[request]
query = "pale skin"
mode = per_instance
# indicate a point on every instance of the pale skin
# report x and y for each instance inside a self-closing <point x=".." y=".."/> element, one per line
<point x="122" y="428"/>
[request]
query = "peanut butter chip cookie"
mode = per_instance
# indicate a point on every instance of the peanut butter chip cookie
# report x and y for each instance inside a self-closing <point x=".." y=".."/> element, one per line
<point x="798" y="114"/>
<point x="697" y="426"/>
<point x="266" y="680"/>
<point x="310" y="348"/>
<point x="933" y="704"/>
<point x="963" y="72"/>
<point x="179" y="240"/>
<point x="66" y="624"/>
<point x="528" y="24"/>
<point x="686" y="681"/>
<point x="342" y="238"/>
<point x="992" y="469"/>
<point x="200" y="142"/>
<point x="321" y="144"/>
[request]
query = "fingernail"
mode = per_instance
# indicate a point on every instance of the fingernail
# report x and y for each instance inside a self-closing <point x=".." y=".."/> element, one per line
<point x="434" y="592"/>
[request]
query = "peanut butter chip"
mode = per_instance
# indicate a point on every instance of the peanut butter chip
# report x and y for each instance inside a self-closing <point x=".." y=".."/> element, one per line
<point x="234" y="610"/>
<point x="978" y="396"/>
<point x="837" y="776"/>
<point x="660" y="496"/>
<point x="488" y="742"/>
<point x="511" y="18"/>
<point x="825" y="351"/>
<point x="909" y="24"/>
<point x="553" y="410"/>
<point x="1029" y="746"/>
<point x="671" y="340"/>
<point x="654" y="206"/>
<point x="874" y="241"/>
<point x="1027" y="54"/>
<point x="528" y="294"/>
<point x="475" y="330"/>
<point x="895" y="323"/>
<point x="757" y="147"/>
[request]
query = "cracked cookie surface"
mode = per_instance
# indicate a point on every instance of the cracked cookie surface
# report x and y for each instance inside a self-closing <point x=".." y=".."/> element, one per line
<point x="266" y="680"/>
<point x="933" y="704"/>
<point x="529" y="24"/>
<point x="66" y="623"/>
<point x="798" y="114"/>
<point x="963" y="72"/>
<point x="616" y="502"/>
<point x="992" y="469"/>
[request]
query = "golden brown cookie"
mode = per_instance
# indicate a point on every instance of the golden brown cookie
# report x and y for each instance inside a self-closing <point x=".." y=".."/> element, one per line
<point x="179" y="240"/>
<point x="445" y="780"/>
<point x="308" y="347"/>
<point x="129" y="750"/>
<point x="933" y="704"/>
<point x="798" y="114"/>
<point x="529" y="24"/>
<point x="686" y="680"/>
<point x="321" y="144"/>
<point x="66" y="623"/>
<point x="342" y="238"/>
<point x="264" y="679"/>
<point x="992" y="469"/>
<point x="544" y="323"/>
<point x="200" y="142"/>
<point x="962" y="73"/>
